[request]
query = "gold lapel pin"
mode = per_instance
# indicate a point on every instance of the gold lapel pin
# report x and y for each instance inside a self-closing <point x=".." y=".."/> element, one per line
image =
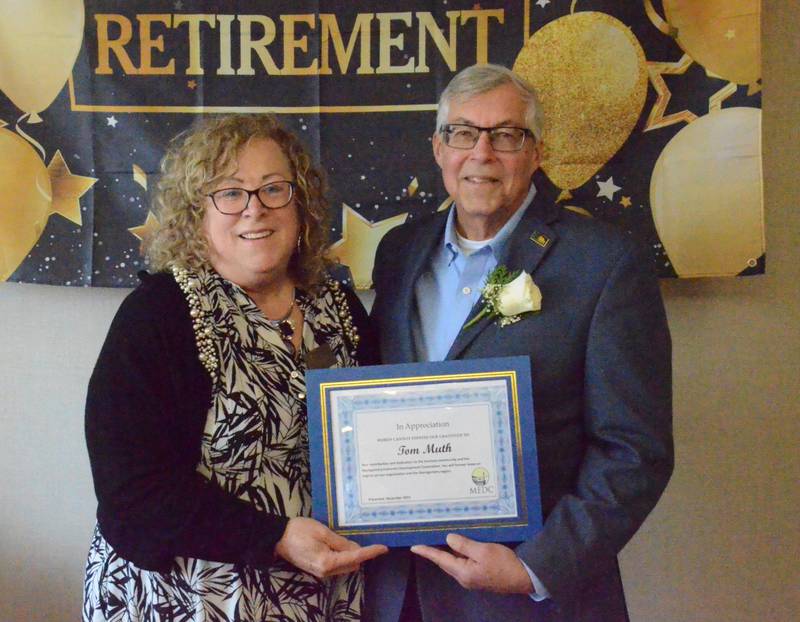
<point x="540" y="238"/>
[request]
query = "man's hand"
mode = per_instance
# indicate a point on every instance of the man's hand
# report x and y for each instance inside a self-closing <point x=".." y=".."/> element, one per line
<point x="480" y="566"/>
<point x="312" y="547"/>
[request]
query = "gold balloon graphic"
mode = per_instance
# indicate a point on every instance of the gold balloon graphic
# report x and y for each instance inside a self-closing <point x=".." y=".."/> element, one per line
<point x="724" y="36"/>
<point x="25" y="199"/>
<point x="39" y="41"/>
<point x="706" y="194"/>
<point x="591" y="75"/>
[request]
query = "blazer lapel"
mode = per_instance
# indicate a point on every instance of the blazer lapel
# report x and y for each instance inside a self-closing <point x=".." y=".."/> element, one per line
<point x="526" y="248"/>
<point x="420" y="249"/>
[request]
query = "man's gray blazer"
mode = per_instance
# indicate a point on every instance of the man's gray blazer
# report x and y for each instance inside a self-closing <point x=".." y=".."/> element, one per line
<point x="601" y="372"/>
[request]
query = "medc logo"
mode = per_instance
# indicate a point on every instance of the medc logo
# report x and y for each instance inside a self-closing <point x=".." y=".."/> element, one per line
<point x="480" y="477"/>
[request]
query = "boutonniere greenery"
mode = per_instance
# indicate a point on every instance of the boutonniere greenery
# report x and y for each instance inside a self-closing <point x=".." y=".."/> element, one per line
<point x="508" y="295"/>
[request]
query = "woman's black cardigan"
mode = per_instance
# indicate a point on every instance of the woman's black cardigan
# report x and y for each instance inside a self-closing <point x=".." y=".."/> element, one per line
<point x="146" y="408"/>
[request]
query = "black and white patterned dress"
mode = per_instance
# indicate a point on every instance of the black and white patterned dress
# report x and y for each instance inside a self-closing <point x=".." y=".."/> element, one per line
<point x="254" y="446"/>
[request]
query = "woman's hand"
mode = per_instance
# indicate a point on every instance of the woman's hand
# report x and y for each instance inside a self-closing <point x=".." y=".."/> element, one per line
<point x="312" y="547"/>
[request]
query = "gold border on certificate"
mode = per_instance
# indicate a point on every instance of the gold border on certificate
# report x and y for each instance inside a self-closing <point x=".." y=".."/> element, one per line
<point x="326" y="387"/>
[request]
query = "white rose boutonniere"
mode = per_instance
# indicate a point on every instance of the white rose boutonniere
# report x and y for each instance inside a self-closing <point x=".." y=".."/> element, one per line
<point x="507" y="295"/>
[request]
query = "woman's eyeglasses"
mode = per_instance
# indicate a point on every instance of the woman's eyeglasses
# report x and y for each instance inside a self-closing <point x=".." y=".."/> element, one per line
<point x="232" y="201"/>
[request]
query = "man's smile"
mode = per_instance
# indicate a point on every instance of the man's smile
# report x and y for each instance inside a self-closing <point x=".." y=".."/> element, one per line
<point x="480" y="179"/>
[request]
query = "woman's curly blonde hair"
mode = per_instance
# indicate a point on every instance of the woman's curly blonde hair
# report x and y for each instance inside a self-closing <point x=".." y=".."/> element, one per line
<point x="197" y="159"/>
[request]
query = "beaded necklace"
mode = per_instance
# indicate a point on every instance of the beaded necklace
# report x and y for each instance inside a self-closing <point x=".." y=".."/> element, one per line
<point x="202" y="322"/>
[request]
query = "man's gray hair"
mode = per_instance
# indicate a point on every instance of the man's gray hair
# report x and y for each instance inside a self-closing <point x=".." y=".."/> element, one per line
<point x="480" y="79"/>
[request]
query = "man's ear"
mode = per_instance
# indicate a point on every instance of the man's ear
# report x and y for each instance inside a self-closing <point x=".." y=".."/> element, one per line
<point x="436" y="143"/>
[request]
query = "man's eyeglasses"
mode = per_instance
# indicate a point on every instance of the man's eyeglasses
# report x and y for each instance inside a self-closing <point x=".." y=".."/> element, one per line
<point x="463" y="136"/>
<point x="232" y="201"/>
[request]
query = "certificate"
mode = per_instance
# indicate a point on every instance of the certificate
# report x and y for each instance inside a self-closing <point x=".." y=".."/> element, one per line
<point x="405" y="454"/>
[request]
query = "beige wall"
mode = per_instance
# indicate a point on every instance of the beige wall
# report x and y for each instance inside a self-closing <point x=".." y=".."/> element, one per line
<point x="721" y="546"/>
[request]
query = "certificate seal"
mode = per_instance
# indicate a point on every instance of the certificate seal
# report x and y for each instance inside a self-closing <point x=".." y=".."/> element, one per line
<point x="480" y="476"/>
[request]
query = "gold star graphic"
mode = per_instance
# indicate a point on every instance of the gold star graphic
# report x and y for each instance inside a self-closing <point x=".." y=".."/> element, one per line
<point x="715" y="101"/>
<point x="149" y="226"/>
<point x="625" y="201"/>
<point x="192" y="84"/>
<point x="359" y="242"/>
<point x="445" y="204"/>
<point x="67" y="189"/>
<point x="657" y="119"/>
<point x="579" y="210"/>
<point x="139" y="176"/>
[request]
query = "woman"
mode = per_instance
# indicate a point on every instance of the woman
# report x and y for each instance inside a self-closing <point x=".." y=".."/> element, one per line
<point x="195" y="415"/>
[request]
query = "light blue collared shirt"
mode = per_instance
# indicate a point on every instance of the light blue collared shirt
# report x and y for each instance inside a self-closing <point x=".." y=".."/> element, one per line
<point x="451" y="285"/>
<point x="445" y="294"/>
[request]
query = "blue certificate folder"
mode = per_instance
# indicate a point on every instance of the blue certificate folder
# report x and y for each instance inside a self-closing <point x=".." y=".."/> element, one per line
<point x="405" y="454"/>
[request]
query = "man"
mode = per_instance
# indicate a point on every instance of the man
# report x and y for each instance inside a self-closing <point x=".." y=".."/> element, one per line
<point x="600" y="358"/>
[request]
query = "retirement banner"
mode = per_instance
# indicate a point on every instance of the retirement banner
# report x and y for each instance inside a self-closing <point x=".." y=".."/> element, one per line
<point x="653" y="115"/>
